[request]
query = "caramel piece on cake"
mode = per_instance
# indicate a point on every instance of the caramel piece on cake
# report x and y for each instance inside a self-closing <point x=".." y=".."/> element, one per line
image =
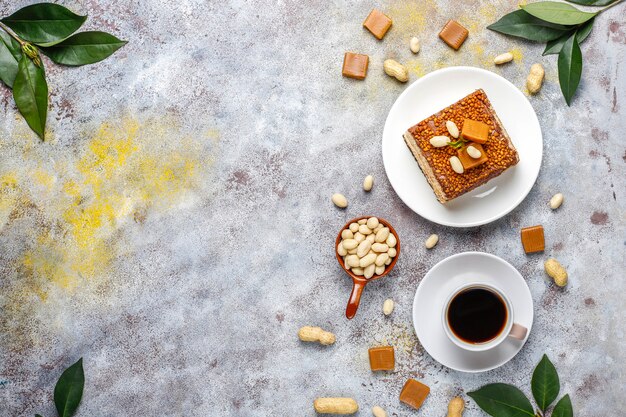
<point x="355" y="65"/>
<point x="469" y="162"/>
<point x="532" y="239"/>
<point x="453" y="34"/>
<point x="382" y="358"/>
<point x="414" y="393"/>
<point x="435" y="162"/>
<point x="378" y="23"/>
<point x="475" y="131"/>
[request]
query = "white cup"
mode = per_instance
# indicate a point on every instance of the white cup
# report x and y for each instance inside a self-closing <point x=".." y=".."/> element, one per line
<point x="510" y="329"/>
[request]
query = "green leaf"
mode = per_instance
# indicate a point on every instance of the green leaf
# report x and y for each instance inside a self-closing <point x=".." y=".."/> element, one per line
<point x="523" y="25"/>
<point x="69" y="389"/>
<point x="593" y="2"/>
<point x="563" y="408"/>
<point x="545" y="383"/>
<point x="44" y="23"/>
<point x="570" y="66"/>
<point x="10" y="55"/>
<point x="84" y="48"/>
<point x="502" y="400"/>
<point x="30" y="92"/>
<point x="558" y="13"/>
<point x="37" y="415"/>
<point x="555" y="46"/>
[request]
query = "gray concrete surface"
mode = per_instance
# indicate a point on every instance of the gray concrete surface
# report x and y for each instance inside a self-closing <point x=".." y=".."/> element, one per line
<point x="176" y="229"/>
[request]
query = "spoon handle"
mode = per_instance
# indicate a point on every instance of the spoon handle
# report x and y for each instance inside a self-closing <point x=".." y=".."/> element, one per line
<point x="355" y="298"/>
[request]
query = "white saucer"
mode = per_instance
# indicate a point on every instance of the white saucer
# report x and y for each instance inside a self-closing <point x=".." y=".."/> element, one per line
<point x="441" y="281"/>
<point x="434" y="92"/>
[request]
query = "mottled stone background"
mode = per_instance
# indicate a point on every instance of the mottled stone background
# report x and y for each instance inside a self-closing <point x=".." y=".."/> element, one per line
<point x="176" y="229"/>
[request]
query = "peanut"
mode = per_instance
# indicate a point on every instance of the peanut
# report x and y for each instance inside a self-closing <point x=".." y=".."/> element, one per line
<point x="352" y="260"/>
<point x="388" y="306"/>
<point x="382" y="235"/>
<point x="368" y="260"/>
<point x="397" y="70"/>
<point x="347" y="234"/>
<point x="376" y="410"/>
<point x="316" y="334"/>
<point x="362" y="221"/>
<point x="414" y="44"/>
<point x="556" y="271"/>
<point x="341" y="250"/>
<point x="340" y="200"/>
<point x="381" y="259"/>
<point x="503" y="58"/>
<point x="349" y="244"/>
<point x="354" y="227"/>
<point x="379" y="269"/>
<point x="363" y="249"/>
<point x="535" y="78"/>
<point x="335" y="405"/>
<point x="473" y="152"/>
<point x="380" y="247"/>
<point x="368" y="183"/>
<point x="456" y="407"/>
<point x="456" y="164"/>
<point x="452" y="129"/>
<point x="439" y="141"/>
<point x="431" y="241"/>
<point x="364" y="230"/>
<point x="372" y="223"/>
<point x="556" y="201"/>
<point x="391" y="241"/>
<point x="369" y="270"/>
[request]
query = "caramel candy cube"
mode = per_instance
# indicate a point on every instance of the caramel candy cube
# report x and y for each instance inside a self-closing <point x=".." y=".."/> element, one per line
<point x="355" y="65"/>
<point x="475" y="131"/>
<point x="414" y="393"/>
<point x="469" y="162"/>
<point x="382" y="358"/>
<point x="377" y="23"/>
<point x="453" y="34"/>
<point x="532" y="239"/>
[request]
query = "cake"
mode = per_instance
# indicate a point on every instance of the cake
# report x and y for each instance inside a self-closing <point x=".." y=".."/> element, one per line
<point x="480" y="133"/>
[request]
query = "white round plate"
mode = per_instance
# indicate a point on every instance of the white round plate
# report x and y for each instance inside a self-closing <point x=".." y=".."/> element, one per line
<point x="447" y="276"/>
<point x="434" y="92"/>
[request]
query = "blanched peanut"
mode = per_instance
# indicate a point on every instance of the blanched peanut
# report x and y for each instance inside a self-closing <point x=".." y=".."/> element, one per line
<point x="363" y="248"/>
<point x="352" y="261"/>
<point x="364" y="230"/>
<point x="380" y="226"/>
<point x="359" y="237"/>
<point x="431" y="241"/>
<point x="456" y="164"/>
<point x="439" y="141"/>
<point x="354" y="227"/>
<point x="340" y="200"/>
<point x="371" y="238"/>
<point x="349" y="244"/>
<point x="357" y="271"/>
<point x="369" y="270"/>
<point x="379" y="269"/>
<point x="453" y="130"/>
<point x="388" y="261"/>
<point x="391" y="240"/>
<point x="367" y="260"/>
<point x="380" y="247"/>
<point x="381" y="259"/>
<point x="388" y="306"/>
<point x="376" y="410"/>
<point x="372" y="223"/>
<point x="556" y="201"/>
<point x="535" y="78"/>
<point x="347" y="234"/>
<point x="368" y="183"/>
<point x="361" y="221"/>
<point x="503" y="58"/>
<point x="316" y="334"/>
<point x="352" y="251"/>
<point x="414" y="44"/>
<point x="335" y="405"/>
<point x="392" y="252"/>
<point x="473" y="152"/>
<point x="341" y="250"/>
<point x="382" y="235"/>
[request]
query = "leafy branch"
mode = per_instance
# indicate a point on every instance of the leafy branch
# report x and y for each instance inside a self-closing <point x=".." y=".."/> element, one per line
<point x="563" y="27"/>
<point x="503" y="400"/>
<point x="69" y="390"/>
<point x="45" y="28"/>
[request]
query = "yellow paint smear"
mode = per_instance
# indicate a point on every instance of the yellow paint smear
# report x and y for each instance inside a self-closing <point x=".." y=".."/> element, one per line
<point x="127" y="167"/>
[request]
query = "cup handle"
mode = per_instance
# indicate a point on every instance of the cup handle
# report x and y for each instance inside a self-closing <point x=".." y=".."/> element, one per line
<point x="355" y="299"/>
<point x="518" y="331"/>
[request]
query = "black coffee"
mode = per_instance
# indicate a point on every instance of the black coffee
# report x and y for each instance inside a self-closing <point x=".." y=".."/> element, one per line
<point x="477" y="315"/>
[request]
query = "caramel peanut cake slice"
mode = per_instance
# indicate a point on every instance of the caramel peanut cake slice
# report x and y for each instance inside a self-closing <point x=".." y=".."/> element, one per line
<point x="461" y="147"/>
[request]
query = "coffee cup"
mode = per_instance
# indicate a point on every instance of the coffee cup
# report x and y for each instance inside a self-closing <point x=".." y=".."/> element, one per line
<point x="479" y="316"/>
